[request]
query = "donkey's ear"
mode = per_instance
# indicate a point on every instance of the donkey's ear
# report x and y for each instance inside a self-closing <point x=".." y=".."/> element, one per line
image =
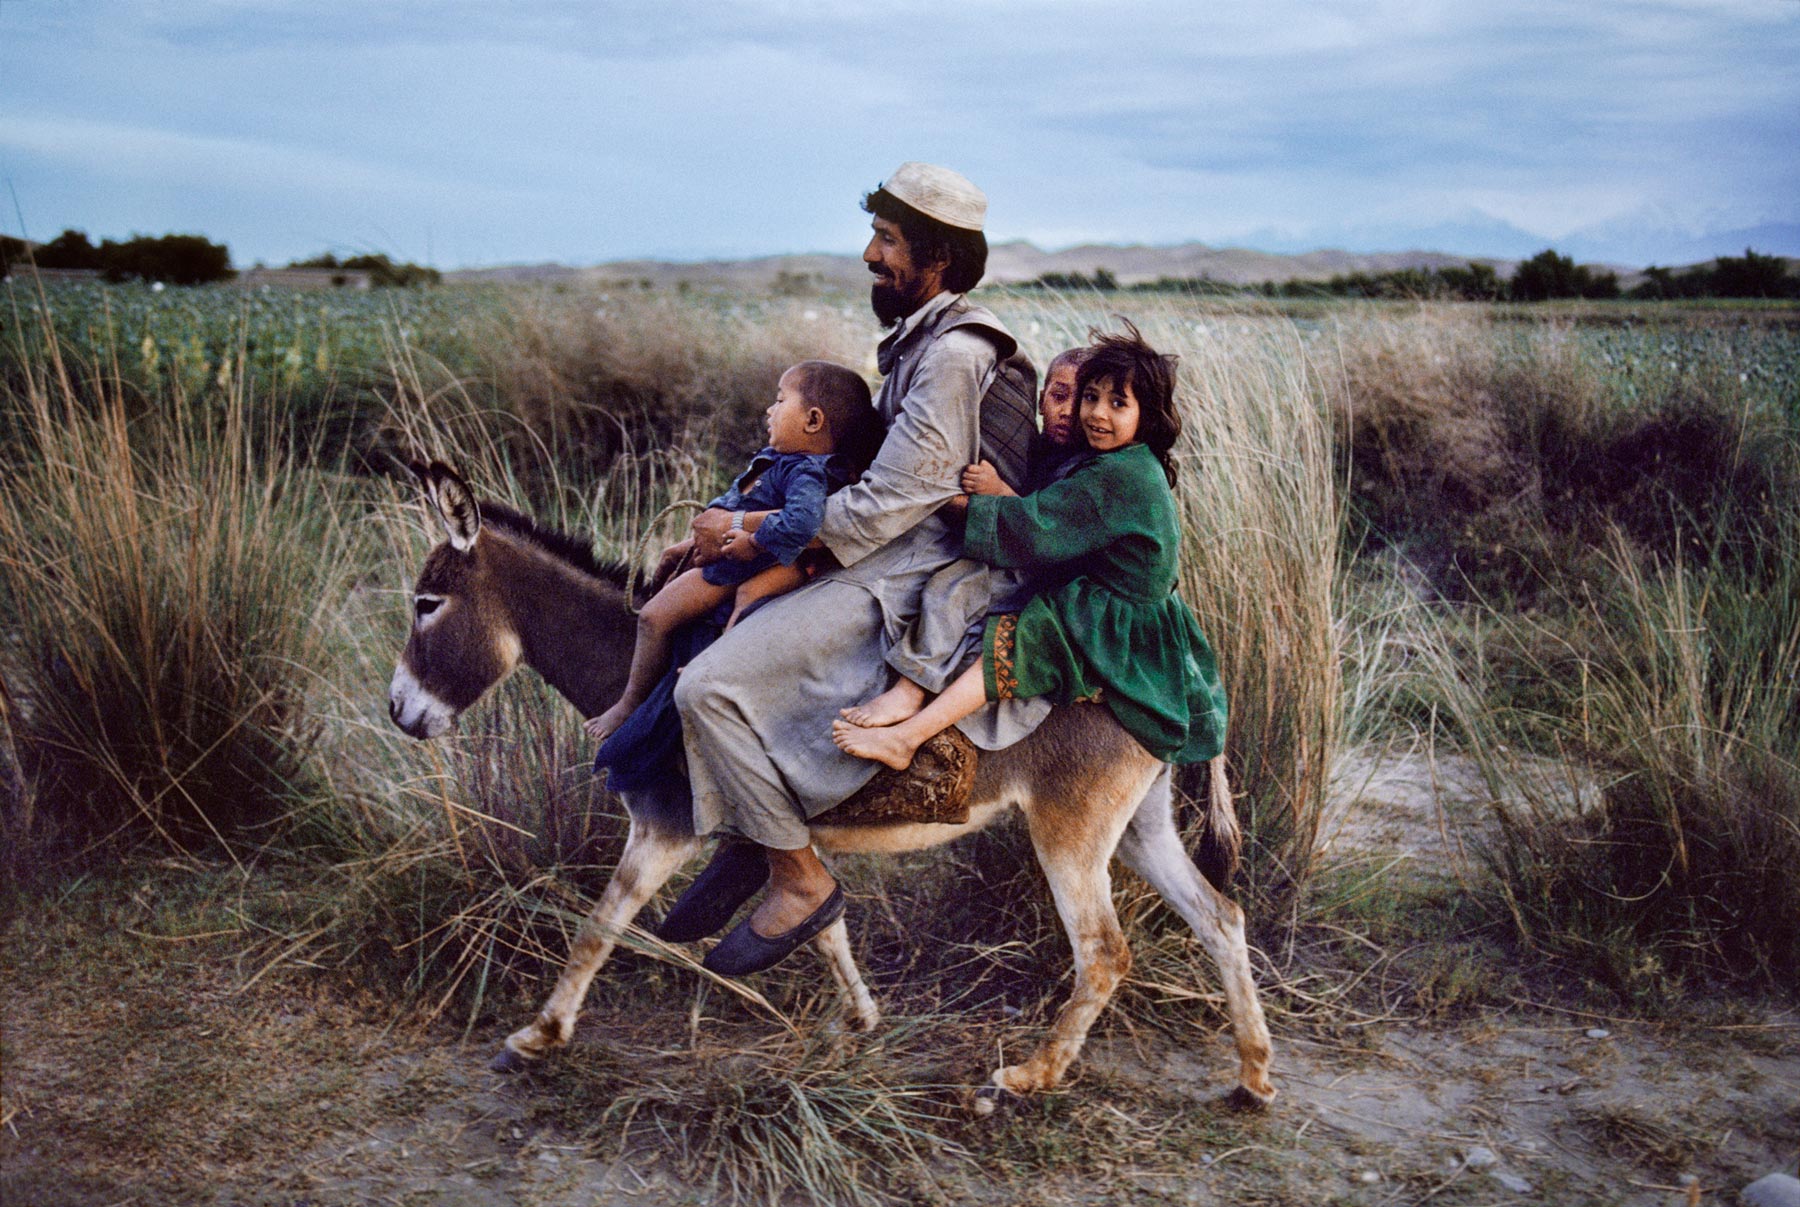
<point x="455" y="504"/>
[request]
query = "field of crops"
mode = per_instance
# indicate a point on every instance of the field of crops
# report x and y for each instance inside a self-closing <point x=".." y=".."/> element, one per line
<point x="316" y="345"/>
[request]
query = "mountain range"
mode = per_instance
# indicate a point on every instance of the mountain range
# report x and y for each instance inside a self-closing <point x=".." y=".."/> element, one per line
<point x="1276" y="257"/>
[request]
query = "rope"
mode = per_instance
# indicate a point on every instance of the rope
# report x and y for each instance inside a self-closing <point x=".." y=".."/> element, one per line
<point x="635" y="570"/>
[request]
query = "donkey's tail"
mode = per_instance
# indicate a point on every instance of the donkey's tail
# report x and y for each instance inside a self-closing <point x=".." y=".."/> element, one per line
<point x="1221" y="840"/>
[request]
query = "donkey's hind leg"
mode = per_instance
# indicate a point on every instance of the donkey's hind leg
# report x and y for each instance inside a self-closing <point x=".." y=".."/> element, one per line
<point x="1074" y="832"/>
<point x="1152" y="848"/>
<point x="651" y="856"/>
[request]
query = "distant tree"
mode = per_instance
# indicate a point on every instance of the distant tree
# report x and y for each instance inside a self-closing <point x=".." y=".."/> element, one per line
<point x="177" y="259"/>
<point x="383" y="272"/>
<point x="1544" y="276"/>
<point x="1596" y="284"/>
<point x="12" y="251"/>
<point x="1659" y="284"/>
<point x="1476" y="283"/>
<point x="1102" y="280"/>
<point x="70" y="249"/>
<point x="1751" y="276"/>
<point x="1549" y="275"/>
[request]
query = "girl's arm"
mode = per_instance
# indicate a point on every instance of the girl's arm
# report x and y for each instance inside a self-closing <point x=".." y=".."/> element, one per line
<point x="983" y="479"/>
<point x="1066" y="520"/>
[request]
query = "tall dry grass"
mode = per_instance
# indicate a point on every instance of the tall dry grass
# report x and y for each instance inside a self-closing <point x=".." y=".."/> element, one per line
<point x="1601" y="571"/>
<point x="583" y="375"/>
<point x="166" y="572"/>
<point x="1678" y="686"/>
<point x="1494" y="457"/>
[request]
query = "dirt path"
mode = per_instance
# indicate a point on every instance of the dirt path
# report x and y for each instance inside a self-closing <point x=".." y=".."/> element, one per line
<point x="138" y="1068"/>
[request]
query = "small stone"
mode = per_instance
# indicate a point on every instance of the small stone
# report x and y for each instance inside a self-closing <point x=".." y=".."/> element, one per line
<point x="1480" y="1158"/>
<point x="1599" y="1033"/>
<point x="1776" y="1190"/>
<point x="1207" y="1158"/>
<point x="1511" y="1181"/>
<point x="1368" y="1177"/>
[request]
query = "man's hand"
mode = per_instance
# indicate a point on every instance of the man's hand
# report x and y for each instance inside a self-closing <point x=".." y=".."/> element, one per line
<point x="955" y="508"/>
<point x="739" y="547"/>
<point x="983" y="479"/>
<point x="709" y="529"/>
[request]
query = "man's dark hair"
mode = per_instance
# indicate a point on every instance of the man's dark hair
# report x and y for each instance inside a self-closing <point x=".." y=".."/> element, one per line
<point x="929" y="240"/>
<point x="843" y="395"/>
<point x="1131" y="363"/>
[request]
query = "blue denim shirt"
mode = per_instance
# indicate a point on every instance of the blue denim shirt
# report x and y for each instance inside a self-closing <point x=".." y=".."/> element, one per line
<point x="793" y="486"/>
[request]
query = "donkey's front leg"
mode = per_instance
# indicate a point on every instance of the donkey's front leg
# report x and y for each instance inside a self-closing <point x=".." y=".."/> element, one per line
<point x="833" y="944"/>
<point x="651" y="857"/>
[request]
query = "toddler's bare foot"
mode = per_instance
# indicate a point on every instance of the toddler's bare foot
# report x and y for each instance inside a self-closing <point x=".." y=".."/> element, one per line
<point x="883" y="744"/>
<point x="891" y="707"/>
<point x="601" y="727"/>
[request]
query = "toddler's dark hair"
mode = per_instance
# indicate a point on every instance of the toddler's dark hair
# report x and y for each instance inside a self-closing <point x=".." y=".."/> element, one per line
<point x="1150" y="375"/>
<point x="843" y="395"/>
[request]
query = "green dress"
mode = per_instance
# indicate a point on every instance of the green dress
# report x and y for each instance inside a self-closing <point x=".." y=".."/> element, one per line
<point x="1107" y="624"/>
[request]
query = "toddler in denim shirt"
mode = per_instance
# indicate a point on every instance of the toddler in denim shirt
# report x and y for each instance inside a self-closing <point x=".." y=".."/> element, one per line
<point x="823" y="430"/>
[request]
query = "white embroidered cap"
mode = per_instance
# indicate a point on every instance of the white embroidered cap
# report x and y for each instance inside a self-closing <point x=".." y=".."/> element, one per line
<point x="940" y="193"/>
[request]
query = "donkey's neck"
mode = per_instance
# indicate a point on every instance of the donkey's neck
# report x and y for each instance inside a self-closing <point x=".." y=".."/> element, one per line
<point x="576" y="630"/>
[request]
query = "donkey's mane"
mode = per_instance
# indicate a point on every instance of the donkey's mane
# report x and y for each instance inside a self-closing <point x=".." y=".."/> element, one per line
<point x="571" y="550"/>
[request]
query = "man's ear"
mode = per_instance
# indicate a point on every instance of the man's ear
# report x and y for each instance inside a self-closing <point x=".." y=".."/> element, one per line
<point x="815" y="419"/>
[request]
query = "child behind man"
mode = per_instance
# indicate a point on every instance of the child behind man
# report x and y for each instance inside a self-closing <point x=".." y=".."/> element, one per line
<point x="823" y="432"/>
<point x="1054" y="452"/>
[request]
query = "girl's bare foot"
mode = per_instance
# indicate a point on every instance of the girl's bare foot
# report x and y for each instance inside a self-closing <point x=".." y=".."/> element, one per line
<point x="882" y="744"/>
<point x="896" y="704"/>
<point x="601" y="727"/>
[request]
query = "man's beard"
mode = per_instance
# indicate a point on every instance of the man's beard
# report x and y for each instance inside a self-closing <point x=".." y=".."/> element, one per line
<point x="890" y="304"/>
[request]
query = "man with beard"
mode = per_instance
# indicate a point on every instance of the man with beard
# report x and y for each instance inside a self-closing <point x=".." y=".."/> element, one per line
<point x="757" y="707"/>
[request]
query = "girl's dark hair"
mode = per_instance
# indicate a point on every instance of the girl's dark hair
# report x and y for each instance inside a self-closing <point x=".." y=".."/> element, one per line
<point x="929" y="240"/>
<point x="1149" y="374"/>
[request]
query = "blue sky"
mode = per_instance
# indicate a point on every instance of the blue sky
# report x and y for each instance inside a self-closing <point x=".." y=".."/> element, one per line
<point x="479" y="132"/>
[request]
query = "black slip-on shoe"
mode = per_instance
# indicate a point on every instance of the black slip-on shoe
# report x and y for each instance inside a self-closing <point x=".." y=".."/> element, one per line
<point x="737" y="871"/>
<point x="743" y="951"/>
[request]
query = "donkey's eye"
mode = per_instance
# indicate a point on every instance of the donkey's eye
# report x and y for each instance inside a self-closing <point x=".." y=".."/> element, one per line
<point x="425" y="605"/>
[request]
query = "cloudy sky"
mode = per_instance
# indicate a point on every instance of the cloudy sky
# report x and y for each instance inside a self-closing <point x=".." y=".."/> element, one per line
<point x="479" y="132"/>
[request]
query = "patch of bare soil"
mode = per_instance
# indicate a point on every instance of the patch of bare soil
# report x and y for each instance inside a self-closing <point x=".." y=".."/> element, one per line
<point x="144" y="1064"/>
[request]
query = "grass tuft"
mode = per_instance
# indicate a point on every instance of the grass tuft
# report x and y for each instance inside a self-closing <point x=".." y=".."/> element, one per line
<point x="161" y="599"/>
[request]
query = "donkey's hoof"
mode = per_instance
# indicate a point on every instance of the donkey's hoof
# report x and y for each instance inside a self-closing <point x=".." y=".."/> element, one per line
<point x="1246" y="1099"/>
<point x="990" y="1098"/>
<point x="509" y="1061"/>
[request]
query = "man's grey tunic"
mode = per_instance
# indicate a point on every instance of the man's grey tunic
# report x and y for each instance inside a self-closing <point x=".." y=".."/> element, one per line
<point x="757" y="707"/>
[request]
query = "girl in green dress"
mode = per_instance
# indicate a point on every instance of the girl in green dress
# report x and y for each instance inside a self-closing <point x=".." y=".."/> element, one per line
<point x="1107" y="625"/>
